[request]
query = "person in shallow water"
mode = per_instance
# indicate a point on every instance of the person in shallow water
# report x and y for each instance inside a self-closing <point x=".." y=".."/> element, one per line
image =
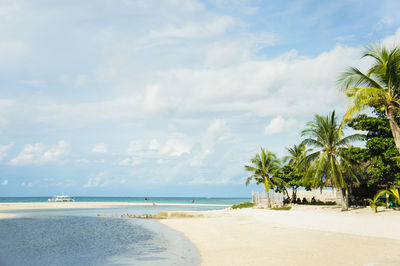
<point x="145" y="200"/>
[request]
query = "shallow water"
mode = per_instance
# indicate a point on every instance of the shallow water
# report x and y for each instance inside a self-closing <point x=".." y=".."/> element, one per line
<point x="79" y="237"/>
<point x="200" y="200"/>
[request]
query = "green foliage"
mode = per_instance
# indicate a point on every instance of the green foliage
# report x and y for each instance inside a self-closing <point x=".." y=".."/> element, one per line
<point x="376" y="201"/>
<point x="328" y="162"/>
<point x="379" y="152"/>
<point x="290" y="176"/>
<point x="394" y="193"/>
<point x="284" y="208"/>
<point x="378" y="88"/>
<point x="243" y="205"/>
<point x="263" y="168"/>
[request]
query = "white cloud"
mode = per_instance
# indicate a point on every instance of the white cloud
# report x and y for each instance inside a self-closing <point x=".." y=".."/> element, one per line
<point x="204" y="29"/>
<point x="26" y="184"/>
<point x="83" y="161"/>
<point x="217" y="131"/>
<point x="3" y="150"/>
<point x="39" y="154"/>
<point x="241" y="49"/>
<point x="36" y="83"/>
<point x="5" y="182"/>
<point x="130" y="161"/>
<point x="392" y="40"/>
<point x="98" y="180"/>
<point x="209" y="181"/>
<point x="280" y="125"/>
<point x="175" y="145"/>
<point x="100" y="148"/>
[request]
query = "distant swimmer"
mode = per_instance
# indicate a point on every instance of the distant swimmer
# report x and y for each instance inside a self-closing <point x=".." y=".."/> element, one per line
<point x="145" y="200"/>
<point x="192" y="201"/>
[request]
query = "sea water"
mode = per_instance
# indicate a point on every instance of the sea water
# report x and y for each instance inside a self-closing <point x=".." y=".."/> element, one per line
<point x="84" y="237"/>
<point x="199" y="200"/>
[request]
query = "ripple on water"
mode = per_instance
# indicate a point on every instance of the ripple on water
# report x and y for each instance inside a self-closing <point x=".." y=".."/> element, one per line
<point x="75" y="240"/>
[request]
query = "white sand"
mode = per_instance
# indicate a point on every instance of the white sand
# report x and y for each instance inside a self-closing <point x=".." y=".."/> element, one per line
<point x="303" y="236"/>
<point x="6" y="215"/>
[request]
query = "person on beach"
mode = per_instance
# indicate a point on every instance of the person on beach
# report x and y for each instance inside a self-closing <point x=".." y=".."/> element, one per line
<point x="145" y="200"/>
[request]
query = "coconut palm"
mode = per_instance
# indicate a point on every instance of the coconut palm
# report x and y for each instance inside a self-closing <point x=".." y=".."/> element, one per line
<point x="263" y="168"/>
<point x="394" y="192"/>
<point x="296" y="156"/>
<point x="328" y="163"/>
<point x="375" y="202"/>
<point x="378" y="88"/>
<point x="297" y="159"/>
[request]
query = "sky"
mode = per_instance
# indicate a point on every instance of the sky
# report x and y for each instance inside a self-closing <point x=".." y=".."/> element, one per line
<point x="168" y="98"/>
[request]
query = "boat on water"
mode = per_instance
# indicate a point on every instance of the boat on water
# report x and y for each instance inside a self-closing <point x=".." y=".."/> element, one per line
<point x="62" y="198"/>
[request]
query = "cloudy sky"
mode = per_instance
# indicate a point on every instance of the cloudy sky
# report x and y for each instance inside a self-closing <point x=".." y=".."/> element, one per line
<point x="168" y="98"/>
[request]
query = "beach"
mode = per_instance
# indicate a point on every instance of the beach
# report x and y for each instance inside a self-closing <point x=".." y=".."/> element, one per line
<point x="303" y="236"/>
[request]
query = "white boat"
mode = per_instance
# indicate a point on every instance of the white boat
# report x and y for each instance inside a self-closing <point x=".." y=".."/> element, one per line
<point x="62" y="198"/>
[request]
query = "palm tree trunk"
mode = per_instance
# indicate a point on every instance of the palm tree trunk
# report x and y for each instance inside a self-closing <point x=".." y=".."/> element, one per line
<point x="394" y="127"/>
<point x="345" y="199"/>
<point x="267" y="194"/>
<point x="287" y="193"/>
<point x="294" y="195"/>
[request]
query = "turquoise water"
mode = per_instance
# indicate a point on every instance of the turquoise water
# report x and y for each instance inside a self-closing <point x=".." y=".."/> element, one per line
<point x="199" y="200"/>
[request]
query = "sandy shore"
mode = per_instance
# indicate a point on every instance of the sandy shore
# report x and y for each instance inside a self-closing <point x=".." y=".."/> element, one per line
<point x="303" y="236"/>
<point x="6" y="215"/>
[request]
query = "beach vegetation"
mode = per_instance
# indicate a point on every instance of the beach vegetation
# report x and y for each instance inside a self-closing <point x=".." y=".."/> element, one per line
<point x="328" y="158"/>
<point x="264" y="167"/>
<point x="394" y="193"/>
<point x="243" y="205"/>
<point x="283" y="208"/>
<point x="376" y="201"/>
<point x="292" y="173"/>
<point x="329" y="165"/>
<point x="379" y="155"/>
<point x="378" y="88"/>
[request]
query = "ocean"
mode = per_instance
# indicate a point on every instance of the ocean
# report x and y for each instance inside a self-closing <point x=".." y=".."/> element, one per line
<point x="199" y="200"/>
<point x="83" y="237"/>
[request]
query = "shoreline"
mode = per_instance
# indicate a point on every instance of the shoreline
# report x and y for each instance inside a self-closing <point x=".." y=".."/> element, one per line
<point x="302" y="236"/>
<point x="89" y="205"/>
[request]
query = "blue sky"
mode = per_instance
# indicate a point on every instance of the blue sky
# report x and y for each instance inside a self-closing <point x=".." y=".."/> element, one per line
<point x="168" y="98"/>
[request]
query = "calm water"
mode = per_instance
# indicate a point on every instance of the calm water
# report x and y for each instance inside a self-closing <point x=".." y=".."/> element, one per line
<point x="80" y="237"/>
<point x="203" y="200"/>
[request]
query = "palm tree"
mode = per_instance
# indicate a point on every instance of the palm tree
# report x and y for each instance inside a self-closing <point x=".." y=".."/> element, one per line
<point x="328" y="163"/>
<point x="264" y="166"/>
<point x="297" y="158"/>
<point x="392" y="192"/>
<point x="378" y="88"/>
<point x="296" y="155"/>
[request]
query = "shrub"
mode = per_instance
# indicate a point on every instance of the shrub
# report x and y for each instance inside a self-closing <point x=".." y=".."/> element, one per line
<point x="284" y="208"/>
<point x="243" y="205"/>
